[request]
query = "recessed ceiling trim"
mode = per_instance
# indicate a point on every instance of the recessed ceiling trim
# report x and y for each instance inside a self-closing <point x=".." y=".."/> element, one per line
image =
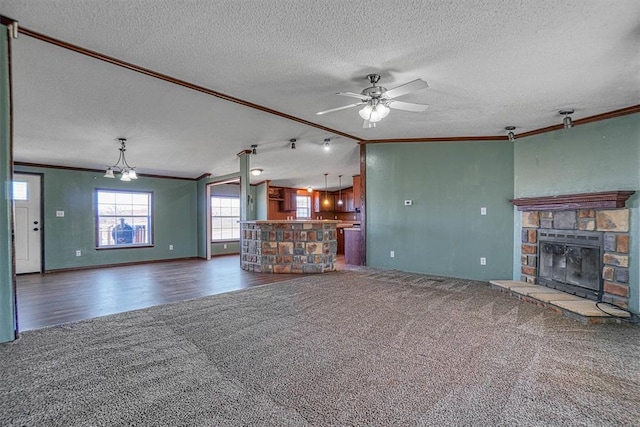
<point x="604" y="116"/>
<point x="173" y="80"/>
<point x="101" y="171"/>
<point x="441" y="139"/>
<point x="598" y="117"/>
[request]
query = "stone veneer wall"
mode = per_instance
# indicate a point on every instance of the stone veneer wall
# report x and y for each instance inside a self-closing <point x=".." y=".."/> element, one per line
<point x="613" y="223"/>
<point x="289" y="247"/>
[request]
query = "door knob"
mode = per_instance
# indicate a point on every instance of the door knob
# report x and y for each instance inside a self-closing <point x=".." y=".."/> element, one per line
<point x="36" y="229"/>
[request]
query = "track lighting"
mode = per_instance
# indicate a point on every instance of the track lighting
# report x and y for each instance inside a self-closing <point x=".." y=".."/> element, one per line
<point x="326" y="145"/>
<point x="128" y="172"/>
<point x="293" y="143"/>
<point x="254" y="149"/>
<point x="567" y="122"/>
<point x="511" y="135"/>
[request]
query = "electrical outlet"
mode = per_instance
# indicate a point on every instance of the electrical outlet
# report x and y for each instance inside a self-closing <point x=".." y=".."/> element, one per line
<point x="78" y="253"/>
<point x="483" y="261"/>
<point x="170" y="247"/>
<point x="224" y="246"/>
<point x="408" y="202"/>
<point x="59" y="214"/>
<point x="392" y="254"/>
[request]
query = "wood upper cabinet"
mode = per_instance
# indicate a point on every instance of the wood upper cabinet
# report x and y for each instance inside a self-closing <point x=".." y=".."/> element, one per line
<point x="327" y="204"/>
<point x="347" y="201"/>
<point x="356" y="192"/>
<point x="290" y="202"/>
<point x="318" y="202"/>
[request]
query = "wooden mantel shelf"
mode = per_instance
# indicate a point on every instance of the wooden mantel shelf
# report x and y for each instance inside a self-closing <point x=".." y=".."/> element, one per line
<point x="606" y="199"/>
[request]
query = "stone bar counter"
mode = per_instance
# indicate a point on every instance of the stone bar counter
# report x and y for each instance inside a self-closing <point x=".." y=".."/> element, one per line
<point x="294" y="246"/>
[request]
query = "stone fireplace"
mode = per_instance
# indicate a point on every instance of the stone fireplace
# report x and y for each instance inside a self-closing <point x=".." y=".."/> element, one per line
<point x="577" y="244"/>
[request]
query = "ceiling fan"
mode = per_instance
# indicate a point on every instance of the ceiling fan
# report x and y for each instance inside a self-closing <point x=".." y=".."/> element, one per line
<point x="377" y="100"/>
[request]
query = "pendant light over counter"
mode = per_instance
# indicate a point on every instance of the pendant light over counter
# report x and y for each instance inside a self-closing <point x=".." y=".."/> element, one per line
<point x="326" y="191"/>
<point x="340" y="190"/>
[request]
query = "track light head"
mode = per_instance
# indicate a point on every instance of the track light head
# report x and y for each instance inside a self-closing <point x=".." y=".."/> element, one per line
<point x="567" y="123"/>
<point x="510" y="134"/>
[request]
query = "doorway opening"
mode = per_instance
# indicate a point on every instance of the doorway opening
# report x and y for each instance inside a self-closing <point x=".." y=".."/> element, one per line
<point x="27" y="202"/>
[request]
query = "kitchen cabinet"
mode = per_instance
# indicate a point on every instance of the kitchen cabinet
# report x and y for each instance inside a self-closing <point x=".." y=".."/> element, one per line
<point x="356" y="192"/>
<point x="340" y="240"/>
<point x="352" y="242"/>
<point x="347" y="201"/>
<point x="289" y="203"/>
<point x="319" y="204"/>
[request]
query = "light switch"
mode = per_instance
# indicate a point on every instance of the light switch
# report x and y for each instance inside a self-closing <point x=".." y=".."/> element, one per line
<point x="483" y="211"/>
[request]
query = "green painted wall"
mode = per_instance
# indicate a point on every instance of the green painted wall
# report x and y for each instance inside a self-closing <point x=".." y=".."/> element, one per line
<point x="261" y="201"/>
<point x="7" y="297"/>
<point x="598" y="156"/>
<point x="443" y="232"/>
<point x="174" y="211"/>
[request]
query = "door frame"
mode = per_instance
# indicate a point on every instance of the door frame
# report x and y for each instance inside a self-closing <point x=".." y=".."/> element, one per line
<point x="42" y="222"/>
<point x="209" y="231"/>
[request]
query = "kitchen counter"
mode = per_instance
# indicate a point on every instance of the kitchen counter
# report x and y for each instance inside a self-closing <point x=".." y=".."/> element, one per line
<point x="288" y="246"/>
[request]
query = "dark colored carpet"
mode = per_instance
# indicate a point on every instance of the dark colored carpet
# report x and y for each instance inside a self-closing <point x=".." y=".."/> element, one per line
<point x="347" y="348"/>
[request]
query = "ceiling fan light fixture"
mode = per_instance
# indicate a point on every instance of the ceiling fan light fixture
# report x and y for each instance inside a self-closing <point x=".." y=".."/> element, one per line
<point x="326" y="144"/>
<point x="365" y="112"/>
<point x="567" y="122"/>
<point x="383" y="110"/>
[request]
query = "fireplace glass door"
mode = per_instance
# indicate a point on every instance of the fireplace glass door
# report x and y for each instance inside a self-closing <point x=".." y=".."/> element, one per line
<point x="570" y="264"/>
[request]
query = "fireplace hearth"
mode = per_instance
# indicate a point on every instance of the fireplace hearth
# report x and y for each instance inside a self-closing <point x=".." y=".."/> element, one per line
<point x="571" y="261"/>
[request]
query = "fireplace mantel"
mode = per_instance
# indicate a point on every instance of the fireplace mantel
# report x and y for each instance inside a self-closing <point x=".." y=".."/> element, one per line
<point x="606" y="199"/>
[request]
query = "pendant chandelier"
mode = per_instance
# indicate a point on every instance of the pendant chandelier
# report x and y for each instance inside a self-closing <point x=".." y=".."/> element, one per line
<point x="326" y="197"/>
<point x="340" y="190"/>
<point x="127" y="172"/>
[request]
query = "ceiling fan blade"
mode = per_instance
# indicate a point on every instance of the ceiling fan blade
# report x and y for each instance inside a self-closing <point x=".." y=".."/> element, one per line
<point x="344" y="107"/>
<point x="354" y="95"/>
<point x="407" y="106"/>
<point x="417" y="84"/>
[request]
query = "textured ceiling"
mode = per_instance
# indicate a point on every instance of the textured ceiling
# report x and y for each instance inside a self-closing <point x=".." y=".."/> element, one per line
<point x="489" y="64"/>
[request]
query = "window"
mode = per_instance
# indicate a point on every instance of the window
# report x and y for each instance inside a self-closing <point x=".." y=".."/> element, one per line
<point x="303" y="209"/>
<point x="225" y="214"/>
<point x="20" y="190"/>
<point x="123" y="218"/>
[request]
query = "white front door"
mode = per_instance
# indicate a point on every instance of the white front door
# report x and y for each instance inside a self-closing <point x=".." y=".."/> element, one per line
<point x="28" y="224"/>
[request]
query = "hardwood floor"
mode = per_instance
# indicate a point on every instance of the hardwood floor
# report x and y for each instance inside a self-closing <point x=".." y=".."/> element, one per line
<point x="55" y="298"/>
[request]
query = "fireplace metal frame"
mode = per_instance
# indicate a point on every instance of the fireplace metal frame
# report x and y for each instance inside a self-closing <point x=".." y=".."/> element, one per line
<point x="572" y="238"/>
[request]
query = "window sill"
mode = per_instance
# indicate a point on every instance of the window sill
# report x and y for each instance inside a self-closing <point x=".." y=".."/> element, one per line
<point x="108" y="248"/>
<point x="226" y="241"/>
